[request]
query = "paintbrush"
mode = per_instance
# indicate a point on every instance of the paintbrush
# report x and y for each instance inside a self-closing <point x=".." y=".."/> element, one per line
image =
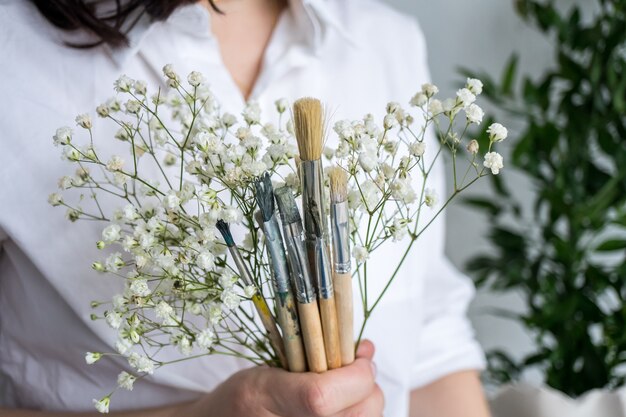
<point x="301" y="279"/>
<point x="309" y="129"/>
<point x="259" y="302"/>
<point x="342" y="278"/>
<point x="285" y="305"/>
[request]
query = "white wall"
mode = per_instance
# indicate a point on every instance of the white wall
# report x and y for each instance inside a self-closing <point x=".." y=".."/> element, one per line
<point x="481" y="35"/>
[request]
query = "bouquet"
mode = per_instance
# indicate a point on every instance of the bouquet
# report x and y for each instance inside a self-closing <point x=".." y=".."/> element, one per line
<point x="234" y="238"/>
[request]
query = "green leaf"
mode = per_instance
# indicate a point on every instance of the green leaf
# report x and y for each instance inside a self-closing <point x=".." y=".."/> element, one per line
<point x="612" y="245"/>
<point x="508" y="76"/>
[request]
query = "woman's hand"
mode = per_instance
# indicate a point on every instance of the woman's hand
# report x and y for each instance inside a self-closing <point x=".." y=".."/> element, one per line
<point x="267" y="392"/>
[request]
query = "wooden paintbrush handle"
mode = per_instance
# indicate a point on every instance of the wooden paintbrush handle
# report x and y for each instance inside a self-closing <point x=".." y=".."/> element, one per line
<point x="345" y="316"/>
<point x="330" y="326"/>
<point x="270" y="325"/>
<point x="313" y="337"/>
<point x="288" y="321"/>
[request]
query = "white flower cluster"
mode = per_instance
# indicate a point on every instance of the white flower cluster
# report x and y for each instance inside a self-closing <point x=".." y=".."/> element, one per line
<point x="189" y="165"/>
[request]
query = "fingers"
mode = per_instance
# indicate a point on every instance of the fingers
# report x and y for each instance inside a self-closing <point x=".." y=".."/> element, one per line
<point x="373" y="406"/>
<point x="320" y="395"/>
<point x="365" y="350"/>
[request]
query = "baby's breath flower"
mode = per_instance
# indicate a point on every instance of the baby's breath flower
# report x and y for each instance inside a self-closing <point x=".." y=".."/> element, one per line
<point x="123" y="84"/>
<point x="368" y="161"/>
<point x="419" y="99"/>
<point x="55" y="199"/>
<point x="84" y="121"/>
<point x="229" y="119"/>
<point x="195" y="78"/>
<point x="141" y="363"/>
<point x="205" y="338"/>
<point x="171" y="200"/>
<point x="132" y="106"/>
<point x="114" y="262"/>
<point x="206" y="260"/>
<point x="63" y="136"/>
<point x="230" y="299"/>
<point x="430" y="197"/>
<point x="139" y="288"/>
<point x="417" y="149"/>
<point x="92" y="357"/>
<point x="103" y="110"/>
<point x="116" y="163"/>
<point x="497" y="132"/>
<point x="393" y="107"/>
<point x="98" y="266"/>
<point x="474" y="114"/>
<point x="435" y="107"/>
<point x="169" y="160"/>
<point x="252" y="113"/>
<point x="71" y="153"/>
<point x="163" y="310"/>
<point x="111" y="233"/>
<point x="281" y="105"/>
<point x="114" y="320"/>
<point x="249" y="291"/>
<point x="113" y="105"/>
<point x="390" y="121"/>
<point x="494" y="162"/>
<point x="360" y="254"/>
<point x="102" y="405"/>
<point x="72" y="214"/>
<point x="472" y="147"/>
<point x="140" y="88"/>
<point x="465" y="97"/>
<point x="168" y="71"/>
<point x="429" y="89"/>
<point x="123" y="346"/>
<point x="125" y="380"/>
<point x="475" y="86"/>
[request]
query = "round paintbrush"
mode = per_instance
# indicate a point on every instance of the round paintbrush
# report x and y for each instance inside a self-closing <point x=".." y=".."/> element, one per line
<point x="257" y="299"/>
<point x="309" y="128"/>
<point x="285" y="306"/>
<point x="342" y="278"/>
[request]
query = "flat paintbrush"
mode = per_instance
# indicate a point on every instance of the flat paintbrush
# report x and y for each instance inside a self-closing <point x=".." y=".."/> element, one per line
<point x="342" y="278"/>
<point x="285" y="306"/>
<point x="301" y="278"/>
<point x="309" y="129"/>
<point x="257" y="299"/>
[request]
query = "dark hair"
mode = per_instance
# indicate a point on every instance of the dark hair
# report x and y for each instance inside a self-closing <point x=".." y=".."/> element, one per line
<point x="109" y="28"/>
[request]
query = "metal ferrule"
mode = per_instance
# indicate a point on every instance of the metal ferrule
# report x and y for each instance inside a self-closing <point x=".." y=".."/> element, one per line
<point x="300" y="273"/>
<point x="241" y="265"/>
<point x="274" y="242"/>
<point x="339" y="224"/>
<point x="324" y="276"/>
<point x="313" y="197"/>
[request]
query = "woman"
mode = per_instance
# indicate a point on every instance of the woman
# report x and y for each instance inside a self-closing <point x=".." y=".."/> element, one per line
<point x="354" y="54"/>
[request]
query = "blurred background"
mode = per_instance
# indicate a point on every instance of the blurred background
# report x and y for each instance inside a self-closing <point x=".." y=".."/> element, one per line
<point x="546" y="246"/>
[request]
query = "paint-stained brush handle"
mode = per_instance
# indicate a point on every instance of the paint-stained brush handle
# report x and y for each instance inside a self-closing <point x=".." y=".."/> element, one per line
<point x="270" y="325"/>
<point x="345" y="315"/>
<point x="292" y="338"/>
<point x="313" y="336"/>
<point x="330" y="327"/>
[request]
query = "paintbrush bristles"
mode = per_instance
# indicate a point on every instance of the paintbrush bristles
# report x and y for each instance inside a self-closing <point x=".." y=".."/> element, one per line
<point x="265" y="196"/>
<point x="308" y="120"/>
<point x="338" y="184"/>
<point x="287" y="205"/>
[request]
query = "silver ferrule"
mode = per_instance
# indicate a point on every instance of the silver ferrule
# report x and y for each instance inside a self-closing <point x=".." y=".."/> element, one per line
<point x="339" y="225"/>
<point x="241" y="265"/>
<point x="299" y="263"/>
<point x="323" y="276"/>
<point x="274" y="242"/>
<point x="313" y="198"/>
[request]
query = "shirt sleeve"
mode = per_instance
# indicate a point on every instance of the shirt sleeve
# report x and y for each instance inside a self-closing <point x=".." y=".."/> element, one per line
<point x="446" y="342"/>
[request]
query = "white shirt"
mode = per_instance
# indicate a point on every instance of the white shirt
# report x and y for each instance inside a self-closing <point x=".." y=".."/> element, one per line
<point x="355" y="55"/>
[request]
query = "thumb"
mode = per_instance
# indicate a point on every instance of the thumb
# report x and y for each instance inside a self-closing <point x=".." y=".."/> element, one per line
<point x="365" y="350"/>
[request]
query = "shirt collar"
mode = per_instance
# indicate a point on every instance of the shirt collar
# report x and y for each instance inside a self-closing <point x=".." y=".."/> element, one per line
<point x="316" y="17"/>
